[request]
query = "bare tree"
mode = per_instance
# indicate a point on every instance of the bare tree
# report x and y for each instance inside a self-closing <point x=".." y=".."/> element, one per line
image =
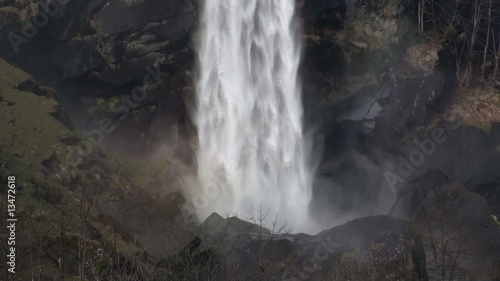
<point x="442" y="239"/>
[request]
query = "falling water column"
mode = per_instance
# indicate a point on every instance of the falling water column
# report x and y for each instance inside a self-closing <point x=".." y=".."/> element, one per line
<point x="252" y="151"/>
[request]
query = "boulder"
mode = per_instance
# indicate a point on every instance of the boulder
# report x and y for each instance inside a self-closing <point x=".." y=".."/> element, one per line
<point x="450" y="219"/>
<point x="30" y="85"/>
<point x="255" y="251"/>
<point x="387" y="111"/>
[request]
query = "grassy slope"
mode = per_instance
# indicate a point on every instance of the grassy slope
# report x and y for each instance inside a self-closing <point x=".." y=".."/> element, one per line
<point x="29" y="134"/>
<point x="27" y="128"/>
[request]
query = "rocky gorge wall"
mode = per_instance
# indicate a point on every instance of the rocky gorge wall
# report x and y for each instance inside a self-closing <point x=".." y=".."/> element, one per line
<point x="393" y="122"/>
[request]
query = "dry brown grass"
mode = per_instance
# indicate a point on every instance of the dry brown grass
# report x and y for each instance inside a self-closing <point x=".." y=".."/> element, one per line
<point x="19" y="11"/>
<point x="9" y="14"/>
<point x="390" y="9"/>
<point x="423" y="57"/>
<point x="478" y="106"/>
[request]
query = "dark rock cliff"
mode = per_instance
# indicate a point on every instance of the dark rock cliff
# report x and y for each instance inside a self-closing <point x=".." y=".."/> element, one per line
<point x="400" y="114"/>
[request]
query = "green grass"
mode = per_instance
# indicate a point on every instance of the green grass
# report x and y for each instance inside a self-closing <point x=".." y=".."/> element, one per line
<point x="29" y="134"/>
<point x="27" y="128"/>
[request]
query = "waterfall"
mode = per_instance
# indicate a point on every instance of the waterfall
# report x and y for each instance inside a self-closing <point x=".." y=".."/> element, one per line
<point x="252" y="151"/>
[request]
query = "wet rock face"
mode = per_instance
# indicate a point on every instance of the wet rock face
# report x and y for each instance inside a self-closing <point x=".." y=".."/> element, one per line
<point x="99" y="37"/>
<point x="143" y="33"/>
<point x="389" y="110"/>
<point x="106" y="49"/>
<point x="362" y="139"/>
<point x="375" y="146"/>
<point x="387" y="107"/>
<point x="118" y="30"/>
<point x="171" y="19"/>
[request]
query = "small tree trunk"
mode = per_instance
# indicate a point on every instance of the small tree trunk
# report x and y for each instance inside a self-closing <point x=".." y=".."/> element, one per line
<point x="485" y="55"/>
<point x="496" y="51"/>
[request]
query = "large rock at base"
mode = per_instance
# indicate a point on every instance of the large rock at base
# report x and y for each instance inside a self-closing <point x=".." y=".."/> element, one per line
<point x="454" y="221"/>
<point x="255" y="251"/>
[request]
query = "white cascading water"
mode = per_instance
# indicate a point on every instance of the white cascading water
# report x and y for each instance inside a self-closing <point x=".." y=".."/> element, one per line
<point x="252" y="152"/>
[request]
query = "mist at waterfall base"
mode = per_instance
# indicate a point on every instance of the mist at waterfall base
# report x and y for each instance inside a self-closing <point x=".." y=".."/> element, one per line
<point x="253" y="156"/>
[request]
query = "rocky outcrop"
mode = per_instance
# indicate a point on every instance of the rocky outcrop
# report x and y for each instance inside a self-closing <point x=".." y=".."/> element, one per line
<point x="450" y="219"/>
<point x="30" y="85"/>
<point x="390" y="111"/>
<point x="375" y="147"/>
<point x="395" y="126"/>
<point x="105" y="49"/>
<point x="247" y="250"/>
<point x="79" y="38"/>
